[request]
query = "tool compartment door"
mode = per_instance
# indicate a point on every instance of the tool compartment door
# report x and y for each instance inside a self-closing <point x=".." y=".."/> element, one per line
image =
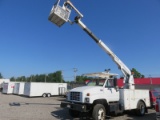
<point x="130" y="98"/>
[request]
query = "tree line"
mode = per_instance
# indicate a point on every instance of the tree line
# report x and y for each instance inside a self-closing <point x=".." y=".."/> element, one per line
<point x="57" y="77"/>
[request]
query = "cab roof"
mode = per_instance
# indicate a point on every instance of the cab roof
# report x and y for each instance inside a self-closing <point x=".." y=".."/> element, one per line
<point x="100" y="75"/>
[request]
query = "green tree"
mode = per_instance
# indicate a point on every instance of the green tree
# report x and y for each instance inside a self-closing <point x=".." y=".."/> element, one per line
<point x="12" y="79"/>
<point x="36" y="78"/>
<point x="51" y="77"/>
<point x="81" y="78"/>
<point x="58" y="76"/>
<point x="136" y="74"/>
<point x="1" y="76"/>
<point x="18" y="79"/>
<point x="23" y="78"/>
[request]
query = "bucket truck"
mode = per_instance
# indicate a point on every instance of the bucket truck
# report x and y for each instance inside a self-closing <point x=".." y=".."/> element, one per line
<point x="100" y="98"/>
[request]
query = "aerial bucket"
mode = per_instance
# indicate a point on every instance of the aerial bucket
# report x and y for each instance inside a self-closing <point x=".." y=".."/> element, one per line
<point x="59" y="15"/>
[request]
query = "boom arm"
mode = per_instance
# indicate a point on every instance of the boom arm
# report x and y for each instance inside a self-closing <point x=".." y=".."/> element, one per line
<point x="128" y="77"/>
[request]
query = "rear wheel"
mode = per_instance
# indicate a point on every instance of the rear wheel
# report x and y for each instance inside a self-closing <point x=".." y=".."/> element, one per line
<point x="99" y="112"/>
<point x="74" y="113"/>
<point x="140" y="108"/>
<point x="48" y="95"/>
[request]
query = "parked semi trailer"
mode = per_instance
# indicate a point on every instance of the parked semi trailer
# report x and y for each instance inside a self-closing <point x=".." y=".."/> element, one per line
<point x="33" y="89"/>
<point x="100" y="99"/>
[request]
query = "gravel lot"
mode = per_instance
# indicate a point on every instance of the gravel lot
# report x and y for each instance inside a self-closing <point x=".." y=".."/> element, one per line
<point x="46" y="109"/>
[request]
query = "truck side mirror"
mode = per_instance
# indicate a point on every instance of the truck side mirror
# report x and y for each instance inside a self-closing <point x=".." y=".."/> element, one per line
<point x="115" y="82"/>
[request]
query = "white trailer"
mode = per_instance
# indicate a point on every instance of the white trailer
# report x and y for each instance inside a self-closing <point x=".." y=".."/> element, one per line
<point x="3" y="81"/>
<point x="8" y="87"/>
<point x="19" y="88"/>
<point x="33" y="89"/>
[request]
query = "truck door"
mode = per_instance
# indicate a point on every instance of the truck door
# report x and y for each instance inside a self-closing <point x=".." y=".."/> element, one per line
<point x="111" y="93"/>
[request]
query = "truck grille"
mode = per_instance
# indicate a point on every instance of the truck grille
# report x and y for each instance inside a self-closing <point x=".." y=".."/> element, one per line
<point x="75" y="96"/>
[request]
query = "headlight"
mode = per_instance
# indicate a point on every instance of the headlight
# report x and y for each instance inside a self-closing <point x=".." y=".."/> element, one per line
<point x="87" y="100"/>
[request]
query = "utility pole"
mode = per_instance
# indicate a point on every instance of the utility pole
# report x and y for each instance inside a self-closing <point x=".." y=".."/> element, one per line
<point x="150" y="79"/>
<point x="62" y="76"/>
<point x="150" y="82"/>
<point x="75" y="70"/>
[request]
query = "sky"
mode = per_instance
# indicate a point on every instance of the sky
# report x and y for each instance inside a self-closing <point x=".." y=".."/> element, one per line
<point x="30" y="44"/>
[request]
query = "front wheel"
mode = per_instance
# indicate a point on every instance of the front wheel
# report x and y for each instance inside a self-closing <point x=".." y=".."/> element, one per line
<point x="74" y="113"/>
<point x="99" y="112"/>
<point x="44" y="95"/>
<point x="140" y="111"/>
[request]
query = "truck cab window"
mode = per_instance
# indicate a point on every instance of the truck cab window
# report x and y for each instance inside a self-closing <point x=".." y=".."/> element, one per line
<point x="96" y="83"/>
<point x="109" y="83"/>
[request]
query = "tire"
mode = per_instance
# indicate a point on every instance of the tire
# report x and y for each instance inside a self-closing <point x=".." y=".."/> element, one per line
<point x="48" y="95"/>
<point x="99" y="112"/>
<point x="74" y="113"/>
<point x="44" y="95"/>
<point x="140" y="111"/>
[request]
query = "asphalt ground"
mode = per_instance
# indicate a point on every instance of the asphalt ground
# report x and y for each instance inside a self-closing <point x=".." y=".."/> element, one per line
<point x="14" y="107"/>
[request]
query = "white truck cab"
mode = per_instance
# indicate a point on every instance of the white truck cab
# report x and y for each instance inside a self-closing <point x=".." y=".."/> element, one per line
<point x="104" y="88"/>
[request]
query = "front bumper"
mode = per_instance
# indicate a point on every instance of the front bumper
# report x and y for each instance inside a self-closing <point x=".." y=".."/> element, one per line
<point x="74" y="106"/>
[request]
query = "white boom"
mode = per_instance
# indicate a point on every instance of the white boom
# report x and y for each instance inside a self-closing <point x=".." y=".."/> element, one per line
<point x="67" y="6"/>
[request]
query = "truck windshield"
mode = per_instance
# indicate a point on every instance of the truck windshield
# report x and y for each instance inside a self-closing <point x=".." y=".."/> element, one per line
<point x="96" y="83"/>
